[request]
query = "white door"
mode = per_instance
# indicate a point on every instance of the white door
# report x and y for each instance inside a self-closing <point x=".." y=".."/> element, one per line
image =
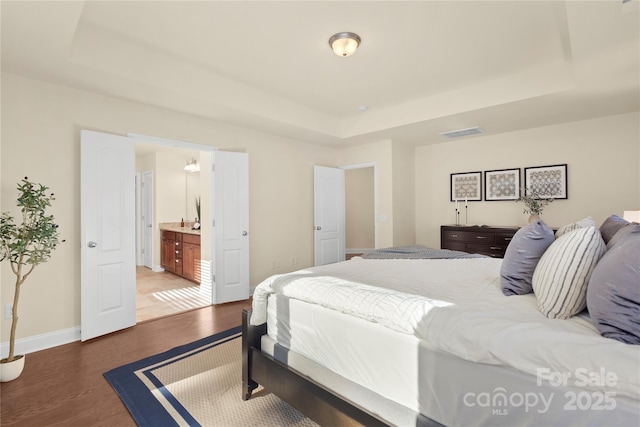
<point x="328" y="215"/>
<point x="230" y="207"/>
<point x="108" y="271"/>
<point x="147" y="219"/>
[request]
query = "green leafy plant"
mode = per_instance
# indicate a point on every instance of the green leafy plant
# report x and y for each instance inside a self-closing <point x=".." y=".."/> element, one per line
<point x="29" y="243"/>
<point x="533" y="203"/>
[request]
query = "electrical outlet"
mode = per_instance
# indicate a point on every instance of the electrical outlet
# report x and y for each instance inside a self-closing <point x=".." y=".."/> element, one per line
<point x="8" y="311"/>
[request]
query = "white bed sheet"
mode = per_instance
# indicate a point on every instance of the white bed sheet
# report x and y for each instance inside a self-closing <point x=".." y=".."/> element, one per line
<point x="431" y="300"/>
<point x="397" y="376"/>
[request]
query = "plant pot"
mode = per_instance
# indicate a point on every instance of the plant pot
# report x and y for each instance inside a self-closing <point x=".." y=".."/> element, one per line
<point x="9" y="371"/>
<point x="533" y="218"/>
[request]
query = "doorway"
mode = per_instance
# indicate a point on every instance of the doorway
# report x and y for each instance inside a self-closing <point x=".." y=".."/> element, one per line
<point x="167" y="198"/>
<point x="108" y="228"/>
<point x="360" y="208"/>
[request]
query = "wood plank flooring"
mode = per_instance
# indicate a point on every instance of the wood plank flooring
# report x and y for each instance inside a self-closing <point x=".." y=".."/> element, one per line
<point x="64" y="386"/>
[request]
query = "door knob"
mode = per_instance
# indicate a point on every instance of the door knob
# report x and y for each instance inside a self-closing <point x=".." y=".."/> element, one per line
<point x="244" y="233"/>
<point x="92" y="244"/>
<point x="318" y="228"/>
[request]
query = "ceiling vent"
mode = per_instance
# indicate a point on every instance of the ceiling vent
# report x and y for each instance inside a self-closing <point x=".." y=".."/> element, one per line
<point x="462" y="132"/>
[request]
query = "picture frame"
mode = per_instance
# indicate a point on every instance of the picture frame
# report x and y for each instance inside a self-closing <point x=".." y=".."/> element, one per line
<point x="549" y="181"/>
<point x="466" y="186"/>
<point x="502" y="184"/>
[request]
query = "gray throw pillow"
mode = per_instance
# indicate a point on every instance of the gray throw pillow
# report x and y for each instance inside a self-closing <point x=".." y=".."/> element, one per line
<point x="522" y="256"/>
<point x="611" y="226"/>
<point x="613" y="295"/>
<point x="622" y="233"/>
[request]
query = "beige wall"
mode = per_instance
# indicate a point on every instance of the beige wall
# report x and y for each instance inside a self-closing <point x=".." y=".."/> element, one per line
<point x="41" y="125"/>
<point x="360" y="208"/>
<point x="404" y="232"/>
<point x="380" y="154"/>
<point x="603" y="172"/>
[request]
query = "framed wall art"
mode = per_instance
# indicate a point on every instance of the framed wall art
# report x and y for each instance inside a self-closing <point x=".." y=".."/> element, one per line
<point x="547" y="181"/>
<point x="466" y="186"/>
<point x="503" y="184"/>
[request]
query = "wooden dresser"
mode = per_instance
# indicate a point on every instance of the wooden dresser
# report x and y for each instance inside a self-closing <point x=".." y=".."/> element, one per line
<point x="491" y="241"/>
<point x="180" y="254"/>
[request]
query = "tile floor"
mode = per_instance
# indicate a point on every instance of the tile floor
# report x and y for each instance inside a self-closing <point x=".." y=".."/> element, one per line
<point x="163" y="294"/>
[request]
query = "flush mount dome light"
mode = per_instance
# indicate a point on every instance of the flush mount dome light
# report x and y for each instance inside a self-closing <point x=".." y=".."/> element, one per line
<point x="345" y="43"/>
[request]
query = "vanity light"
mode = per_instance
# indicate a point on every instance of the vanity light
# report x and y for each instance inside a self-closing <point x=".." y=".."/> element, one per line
<point x="192" y="165"/>
<point x="345" y="43"/>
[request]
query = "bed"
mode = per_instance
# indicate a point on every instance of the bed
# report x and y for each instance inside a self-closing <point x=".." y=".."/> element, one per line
<point x="404" y="339"/>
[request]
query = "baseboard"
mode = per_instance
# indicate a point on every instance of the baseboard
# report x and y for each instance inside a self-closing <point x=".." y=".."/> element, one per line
<point x="42" y="342"/>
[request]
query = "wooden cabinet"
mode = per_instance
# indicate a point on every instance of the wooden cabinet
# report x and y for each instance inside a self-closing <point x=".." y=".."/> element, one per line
<point x="191" y="257"/>
<point x="491" y="241"/>
<point x="180" y="254"/>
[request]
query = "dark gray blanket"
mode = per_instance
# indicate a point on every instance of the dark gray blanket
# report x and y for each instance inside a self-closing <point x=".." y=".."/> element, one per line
<point x="417" y="252"/>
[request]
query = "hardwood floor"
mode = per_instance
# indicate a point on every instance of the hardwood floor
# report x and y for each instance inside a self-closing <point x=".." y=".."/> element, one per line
<point x="64" y="386"/>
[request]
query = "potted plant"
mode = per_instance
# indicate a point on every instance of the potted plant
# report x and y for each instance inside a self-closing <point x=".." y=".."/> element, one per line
<point x="533" y="203"/>
<point x="25" y="245"/>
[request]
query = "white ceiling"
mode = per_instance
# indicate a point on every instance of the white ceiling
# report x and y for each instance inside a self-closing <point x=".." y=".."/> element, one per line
<point x="423" y="67"/>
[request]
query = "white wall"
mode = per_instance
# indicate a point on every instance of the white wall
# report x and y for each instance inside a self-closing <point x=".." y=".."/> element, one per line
<point x="603" y="172"/>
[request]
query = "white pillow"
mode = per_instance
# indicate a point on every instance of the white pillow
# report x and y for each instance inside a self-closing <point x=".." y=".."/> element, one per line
<point x="583" y="223"/>
<point x="562" y="274"/>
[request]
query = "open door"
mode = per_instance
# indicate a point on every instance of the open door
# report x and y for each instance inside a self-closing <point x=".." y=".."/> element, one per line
<point x="108" y="271"/>
<point x="328" y="215"/>
<point x="147" y="219"/>
<point x="230" y="207"/>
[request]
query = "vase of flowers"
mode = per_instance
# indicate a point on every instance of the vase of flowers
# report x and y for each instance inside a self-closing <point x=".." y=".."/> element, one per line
<point x="534" y="204"/>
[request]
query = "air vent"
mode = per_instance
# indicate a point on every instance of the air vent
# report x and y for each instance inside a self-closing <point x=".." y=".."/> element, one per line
<point x="462" y="132"/>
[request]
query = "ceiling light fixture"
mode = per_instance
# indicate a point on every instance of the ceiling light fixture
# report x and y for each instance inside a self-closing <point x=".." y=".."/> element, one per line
<point x="345" y="43"/>
<point x="192" y="165"/>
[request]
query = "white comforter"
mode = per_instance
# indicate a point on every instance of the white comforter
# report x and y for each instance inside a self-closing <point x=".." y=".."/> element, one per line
<point x="457" y="306"/>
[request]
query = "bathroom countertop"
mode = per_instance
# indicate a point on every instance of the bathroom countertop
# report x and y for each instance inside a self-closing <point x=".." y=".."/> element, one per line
<point x="175" y="226"/>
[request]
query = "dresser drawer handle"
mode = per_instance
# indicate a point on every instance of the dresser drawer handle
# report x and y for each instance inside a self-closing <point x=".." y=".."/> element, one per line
<point x="454" y="235"/>
<point x="508" y="239"/>
<point x="495" y="248"/>
<point x="177" y="260"/>
<point x="481" y="237"/>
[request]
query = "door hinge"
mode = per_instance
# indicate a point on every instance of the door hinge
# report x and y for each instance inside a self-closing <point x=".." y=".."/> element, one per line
<point x="213" y="167"/>
<point x="213" y="223"/>
<point x="214" y="278"/>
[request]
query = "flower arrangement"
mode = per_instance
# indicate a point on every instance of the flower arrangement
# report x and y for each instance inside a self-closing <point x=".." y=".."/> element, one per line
<point x="533" y="203"/>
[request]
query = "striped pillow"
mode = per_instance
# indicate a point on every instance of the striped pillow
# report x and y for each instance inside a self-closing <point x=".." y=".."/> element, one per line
<point x="561" y="277"/>
<point x="583" y="223"/>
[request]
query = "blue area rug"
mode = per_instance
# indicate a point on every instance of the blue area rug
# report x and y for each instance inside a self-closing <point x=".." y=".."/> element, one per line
<point x="152" y="403"/>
